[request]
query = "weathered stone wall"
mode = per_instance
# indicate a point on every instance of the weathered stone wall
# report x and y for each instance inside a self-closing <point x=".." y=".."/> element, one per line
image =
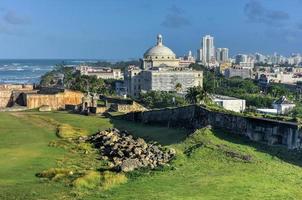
<point x="5" y="98"/>
<point x="16" y="87"/>
<point x="125" y="108"/>
<point x="9" y="93"/>
<point x="269" y="131"/>
<point x="55" y="101"/>
<point x="101" y="110"/>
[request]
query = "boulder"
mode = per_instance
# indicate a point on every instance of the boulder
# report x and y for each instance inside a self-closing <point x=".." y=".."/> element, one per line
<point x="129" y="165"/>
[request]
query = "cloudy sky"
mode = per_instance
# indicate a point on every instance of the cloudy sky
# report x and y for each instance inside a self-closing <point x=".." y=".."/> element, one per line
<point x="120" y="29"/>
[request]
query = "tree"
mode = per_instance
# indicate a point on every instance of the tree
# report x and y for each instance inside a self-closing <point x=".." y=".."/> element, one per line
<point x="75" y="81"/>
<point x="194" y="94"/>
<point x="161" y="99"/>
<point x="178" y="87"/>
<point x="204" y="97"/>
<point x="277" y="91"/>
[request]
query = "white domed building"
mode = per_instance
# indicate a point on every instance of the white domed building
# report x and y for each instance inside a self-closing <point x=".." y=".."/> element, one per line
<point x="160" y="71"/>
<point x="159" y="56"/>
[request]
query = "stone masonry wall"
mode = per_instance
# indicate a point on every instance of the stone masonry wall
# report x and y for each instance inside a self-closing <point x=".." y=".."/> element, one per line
<point x="5" y="98"/>
<point x="7" y="93"/>
<point x="55" y="101"/>
<point x="128" y="107"/>
<point x="268" y="131"/>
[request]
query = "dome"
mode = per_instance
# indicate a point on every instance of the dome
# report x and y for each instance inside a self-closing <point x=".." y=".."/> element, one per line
<point x="159" y="51"/>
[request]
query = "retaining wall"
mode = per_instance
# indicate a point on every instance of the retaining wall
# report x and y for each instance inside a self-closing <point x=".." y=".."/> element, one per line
<point x="272" y="132"/>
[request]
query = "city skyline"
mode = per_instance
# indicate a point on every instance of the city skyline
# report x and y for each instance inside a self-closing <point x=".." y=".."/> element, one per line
<point x="51" y="29"/>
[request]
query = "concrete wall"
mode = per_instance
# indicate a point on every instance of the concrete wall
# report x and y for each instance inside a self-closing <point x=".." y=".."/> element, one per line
<point x="268" y="131"/>
<point x="236" y="105"/>
<point x="55" y="101"/>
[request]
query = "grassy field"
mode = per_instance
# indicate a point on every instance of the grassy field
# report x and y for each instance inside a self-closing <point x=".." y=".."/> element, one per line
<point x="209" y="164"/>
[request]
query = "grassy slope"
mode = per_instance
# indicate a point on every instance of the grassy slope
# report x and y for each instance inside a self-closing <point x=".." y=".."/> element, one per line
<point x="207" y="173"/>
<point x="24" y="152"/>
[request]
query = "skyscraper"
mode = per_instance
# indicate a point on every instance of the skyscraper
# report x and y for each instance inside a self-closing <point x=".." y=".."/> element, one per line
<point x="222" y="55"/>
<point x="208" y="49"/>
<point x="199" y="55"/>
<point x="241" y="58"/>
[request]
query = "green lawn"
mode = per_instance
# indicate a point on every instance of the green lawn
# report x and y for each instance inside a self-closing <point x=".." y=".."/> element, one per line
<point x="203" y="168"/>
<point x="23" y="152"/>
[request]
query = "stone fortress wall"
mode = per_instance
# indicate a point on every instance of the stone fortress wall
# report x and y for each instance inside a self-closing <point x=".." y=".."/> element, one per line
<point x="26" y="96"/>
<point x="9" y="93"/>
<point x="125" y="108"/>
<point x="5" y="98"/>
<point x="54" y="101"/>
<point x="264" y="130"/>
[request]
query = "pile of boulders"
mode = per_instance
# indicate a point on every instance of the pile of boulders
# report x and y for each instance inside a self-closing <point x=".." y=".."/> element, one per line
<point x="127" y="153"/>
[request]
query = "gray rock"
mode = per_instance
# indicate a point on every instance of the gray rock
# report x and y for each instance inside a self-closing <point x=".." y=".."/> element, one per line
<point x="130" y="165"/>
<point x="127" y="153"/>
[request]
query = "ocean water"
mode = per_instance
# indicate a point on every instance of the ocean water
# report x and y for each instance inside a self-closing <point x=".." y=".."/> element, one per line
<point x="30" y="70"/>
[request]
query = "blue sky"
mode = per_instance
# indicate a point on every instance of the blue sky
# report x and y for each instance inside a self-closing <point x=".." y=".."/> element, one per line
<point x="122" y="29"/>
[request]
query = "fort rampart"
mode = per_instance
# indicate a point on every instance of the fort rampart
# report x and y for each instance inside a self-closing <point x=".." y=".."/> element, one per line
<point x="269" y="131"/>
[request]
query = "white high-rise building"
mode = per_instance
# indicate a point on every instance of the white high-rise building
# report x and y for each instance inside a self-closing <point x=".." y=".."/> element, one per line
<point x="241" y="58"/>
<point x="260" y="58"/>
<point x="244" y="61"/>
<point x="208" y="49"/>
<point x="199" y="55"/>
<point x="222" y="55"/>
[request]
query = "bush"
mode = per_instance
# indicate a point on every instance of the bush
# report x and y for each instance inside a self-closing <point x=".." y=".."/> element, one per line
<point x="54" y="173"/>
<point x="90" y="180"/>
<point x="67" y="131"/>
<point x="161" y="99"/>
<point x="105" y="180"/>
<point x="111" y="179"/>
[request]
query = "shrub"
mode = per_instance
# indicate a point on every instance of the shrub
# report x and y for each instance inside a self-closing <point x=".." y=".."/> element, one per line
<point x="111" y="179"/>
<point x="106" y="180"/>
<point x="67" y="131"/>
<point x="90" y="180"/>
<point x="54" y="173"/>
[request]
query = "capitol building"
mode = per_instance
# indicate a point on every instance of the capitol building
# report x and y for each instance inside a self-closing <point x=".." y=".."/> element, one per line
<point x="159" y="56"/>
<point x="160" y="70"/>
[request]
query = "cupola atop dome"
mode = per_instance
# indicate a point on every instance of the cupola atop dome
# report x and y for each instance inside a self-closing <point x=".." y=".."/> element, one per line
<point x="159" y="51"/>
<point x="159" y="40"/>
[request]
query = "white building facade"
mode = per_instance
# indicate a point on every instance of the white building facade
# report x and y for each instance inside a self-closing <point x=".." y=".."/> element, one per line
<point x="230" y="103"/>
<point x="161" y="71"/>
<point x="100" y="72"/>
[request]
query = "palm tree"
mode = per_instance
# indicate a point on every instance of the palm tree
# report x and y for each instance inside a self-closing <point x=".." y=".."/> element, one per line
<point x="192" y="94"/>
<point x="178" y="87"/>
<point x="204" y="97"/>
<point x="197" y="95"/>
